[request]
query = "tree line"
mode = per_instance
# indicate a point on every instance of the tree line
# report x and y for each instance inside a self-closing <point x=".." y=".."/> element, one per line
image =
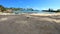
<point x="51" y="10"/>
<point x="2" y="9"/>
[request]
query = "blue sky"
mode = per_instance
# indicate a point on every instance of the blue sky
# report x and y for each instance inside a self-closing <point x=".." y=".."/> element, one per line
<point x="36" y="4"/>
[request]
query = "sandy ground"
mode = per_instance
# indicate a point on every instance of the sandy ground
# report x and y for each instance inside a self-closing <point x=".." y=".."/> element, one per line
<point x="29" y="24"/>
<point x="38" y="14"/>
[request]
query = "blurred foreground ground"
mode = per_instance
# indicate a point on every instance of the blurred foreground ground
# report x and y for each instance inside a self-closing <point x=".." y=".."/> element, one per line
<point x="25" y="24"/>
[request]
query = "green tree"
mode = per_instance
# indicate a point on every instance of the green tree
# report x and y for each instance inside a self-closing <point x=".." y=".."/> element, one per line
<point x="29" y="9"/>
<point x="2" y="8"/>
<point x="58" y="10"/>
<point x="50" y="10"/>
<point x="16" y="9"/>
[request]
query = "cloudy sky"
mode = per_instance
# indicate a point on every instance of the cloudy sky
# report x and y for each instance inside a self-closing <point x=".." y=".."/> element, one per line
<point x="36" y="4"/>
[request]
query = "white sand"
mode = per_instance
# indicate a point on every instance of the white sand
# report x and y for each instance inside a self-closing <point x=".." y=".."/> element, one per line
<point x="33" y="14"/>
<point x="3" y="19"/>
<point x="38" y="14"/>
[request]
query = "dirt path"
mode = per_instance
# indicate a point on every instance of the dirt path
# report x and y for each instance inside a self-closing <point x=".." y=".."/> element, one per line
<point x="32" y="25"/>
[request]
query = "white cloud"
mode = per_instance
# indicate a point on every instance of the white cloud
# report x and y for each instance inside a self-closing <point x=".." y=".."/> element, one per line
<point x="44" y="8"/>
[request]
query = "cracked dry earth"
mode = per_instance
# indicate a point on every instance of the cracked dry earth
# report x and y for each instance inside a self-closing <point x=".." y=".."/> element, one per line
<point x="22" y="24"/>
